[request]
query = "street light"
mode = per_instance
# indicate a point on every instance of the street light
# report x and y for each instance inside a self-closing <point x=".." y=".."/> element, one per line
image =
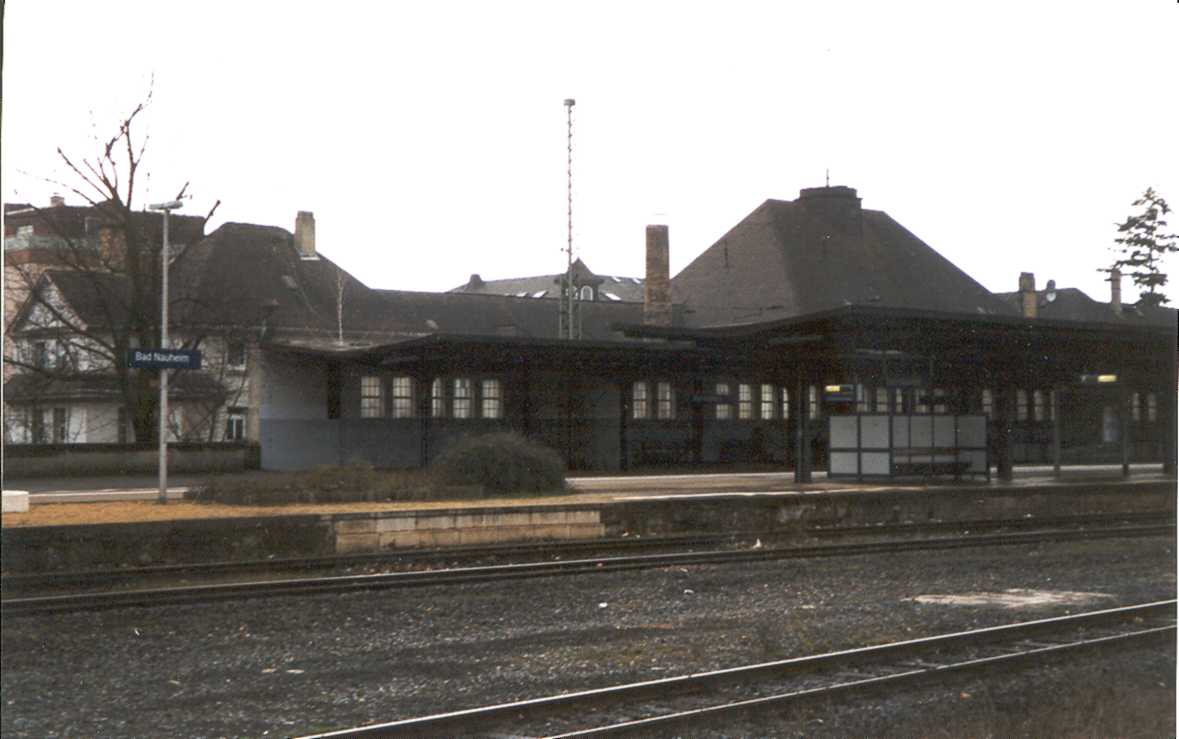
<point x="167" y="208"/>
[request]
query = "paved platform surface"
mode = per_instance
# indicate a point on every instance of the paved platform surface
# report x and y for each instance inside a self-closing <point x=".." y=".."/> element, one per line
<point x="98" y="489"/>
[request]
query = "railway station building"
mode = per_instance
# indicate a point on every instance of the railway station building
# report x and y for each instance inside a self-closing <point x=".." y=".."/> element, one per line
<point x="815" y="334"/>
<point x="805" y="314"/>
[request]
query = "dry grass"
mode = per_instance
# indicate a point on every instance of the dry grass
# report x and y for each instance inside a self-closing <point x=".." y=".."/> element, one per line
<point x="75" y="514"/>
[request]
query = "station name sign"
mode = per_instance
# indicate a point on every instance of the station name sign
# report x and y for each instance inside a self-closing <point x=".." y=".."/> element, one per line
<point x="164" y="359"/>
<point x="840" y="393"/>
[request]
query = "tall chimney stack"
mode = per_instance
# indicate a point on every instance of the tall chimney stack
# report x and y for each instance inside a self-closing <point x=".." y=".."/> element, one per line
<point x="1027" y="294"/>
<point x="305" y="234"/>
<point x="1115" y="290"/>
<point x="657" y="290"/>
<point x="56" y="200"/>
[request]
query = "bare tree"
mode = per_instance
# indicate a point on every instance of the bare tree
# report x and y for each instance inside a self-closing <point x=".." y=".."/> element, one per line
<point x="114" y="263"/>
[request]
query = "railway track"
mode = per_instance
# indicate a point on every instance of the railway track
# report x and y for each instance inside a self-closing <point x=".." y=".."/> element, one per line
<point x="93" y="601"/>
<point x="658" y="707"/>
<point x="46" y="583"/>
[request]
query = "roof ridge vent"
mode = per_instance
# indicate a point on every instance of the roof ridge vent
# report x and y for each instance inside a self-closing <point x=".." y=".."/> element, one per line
<point x="831" y="191"/>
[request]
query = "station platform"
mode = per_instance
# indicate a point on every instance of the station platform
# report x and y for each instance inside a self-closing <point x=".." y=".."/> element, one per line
<point x="120" y="533"/>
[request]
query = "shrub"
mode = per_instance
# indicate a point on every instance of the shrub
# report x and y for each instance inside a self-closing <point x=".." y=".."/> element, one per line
<point x="502" y="463"/>
<point x="326" y="484"/>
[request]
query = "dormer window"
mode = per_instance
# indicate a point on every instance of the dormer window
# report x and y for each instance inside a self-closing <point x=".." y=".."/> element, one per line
<point x="587" y="292"/>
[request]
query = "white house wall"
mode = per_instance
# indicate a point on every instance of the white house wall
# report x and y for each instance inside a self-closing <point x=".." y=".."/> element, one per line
<point x="291" y="399"/>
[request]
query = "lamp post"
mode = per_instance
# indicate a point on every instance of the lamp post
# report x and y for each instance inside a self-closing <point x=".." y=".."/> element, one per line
<point x="166" y="208"/>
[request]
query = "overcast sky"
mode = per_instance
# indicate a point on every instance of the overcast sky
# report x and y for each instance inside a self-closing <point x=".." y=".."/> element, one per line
<point x="429" y="137"/>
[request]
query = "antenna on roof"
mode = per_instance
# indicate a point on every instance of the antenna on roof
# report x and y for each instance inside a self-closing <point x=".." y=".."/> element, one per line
<point x="828" y="177"/>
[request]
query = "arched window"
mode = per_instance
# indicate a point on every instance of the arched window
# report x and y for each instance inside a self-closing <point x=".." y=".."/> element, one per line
<point x="587" y="292"/>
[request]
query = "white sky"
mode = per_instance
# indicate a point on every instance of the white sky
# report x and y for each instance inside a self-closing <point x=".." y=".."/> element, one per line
<point x="429" y="137"/>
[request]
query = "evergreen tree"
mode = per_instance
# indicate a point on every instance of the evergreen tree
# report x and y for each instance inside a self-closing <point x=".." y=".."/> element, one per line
<point x="1142" y="244"/>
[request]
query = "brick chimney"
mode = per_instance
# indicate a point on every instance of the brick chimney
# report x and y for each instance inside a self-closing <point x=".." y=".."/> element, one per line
<point x="1027" y="294"/>
<point x="1115" y="290"/>
<point x="305" y="234"/>
<point x="56" y="200"/>
<point x="657" y="290"/>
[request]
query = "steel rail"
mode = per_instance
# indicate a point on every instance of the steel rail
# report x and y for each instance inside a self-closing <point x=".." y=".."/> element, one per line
<point x="895" y="680"/>
<point x="491" y="573"/>
<point x="24" y="582"/>
<point x="27" y="581"/>
<point x="475" y="720"/>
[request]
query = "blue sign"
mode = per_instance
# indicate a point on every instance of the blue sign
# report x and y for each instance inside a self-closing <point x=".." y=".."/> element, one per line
<point x="164" y="359"/>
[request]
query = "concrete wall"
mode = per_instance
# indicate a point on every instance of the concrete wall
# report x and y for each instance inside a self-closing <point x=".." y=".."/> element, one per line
<point x="299" y="444"/>
<point x="796" y="510"/>
<point x="79" y="548"/>
<point x="292" y="389"/>
<point x="102" y="546"/>
<point x="375" y="532"/>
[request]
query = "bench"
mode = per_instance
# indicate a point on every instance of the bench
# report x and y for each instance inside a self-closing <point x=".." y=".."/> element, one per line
<point x="929" y="461"/>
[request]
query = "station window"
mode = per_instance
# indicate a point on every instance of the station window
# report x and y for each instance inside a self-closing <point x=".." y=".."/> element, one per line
<point x="61" y="426"/>
<point x="462" y="401"/>
<point x="664" y="400"/>
<point x="988" y="402"/>
<point x="640" y="401"/>
<point x="493" y="401"/>
<point x="898" y="400"/>
<point x="402" y="397"/>
<point x="744" y="401"/>
<point x="785" y="403"/>
<point x="371" y="400"/>
<point x="438" y="398"/>
<point x="881" y="400"/>
<point x="939" y="401"/>
<point x="767" y="401"/>
<point x="1152" y="407"/>
<point x="920" y="400"/>
<point x="1135" y="407"/>
<point x="35" y="421"/>
<point x="861" y="399"/>
<point x="1021" y="405"/>
<point x="235" y="424"/>
<point x="724" y="410"/>
<point x="1038" y="405"/>
<point x="813" y="406"/>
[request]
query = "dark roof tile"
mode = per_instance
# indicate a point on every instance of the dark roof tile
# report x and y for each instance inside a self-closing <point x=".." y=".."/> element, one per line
<point x="822" y="251"/>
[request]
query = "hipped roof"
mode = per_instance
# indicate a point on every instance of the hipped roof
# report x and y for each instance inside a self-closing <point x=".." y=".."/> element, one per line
<point x="244" y="275"/>
<point x="818" y="253"/>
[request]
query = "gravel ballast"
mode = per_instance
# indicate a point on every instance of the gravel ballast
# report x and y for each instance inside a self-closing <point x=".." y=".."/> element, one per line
<point x="282" y="666"/>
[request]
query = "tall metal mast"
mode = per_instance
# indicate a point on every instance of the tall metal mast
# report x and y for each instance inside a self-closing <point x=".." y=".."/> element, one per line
<point x="567" y="330"/>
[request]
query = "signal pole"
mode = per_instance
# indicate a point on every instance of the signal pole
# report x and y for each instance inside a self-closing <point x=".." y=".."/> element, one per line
<point x="566" y="329"/>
